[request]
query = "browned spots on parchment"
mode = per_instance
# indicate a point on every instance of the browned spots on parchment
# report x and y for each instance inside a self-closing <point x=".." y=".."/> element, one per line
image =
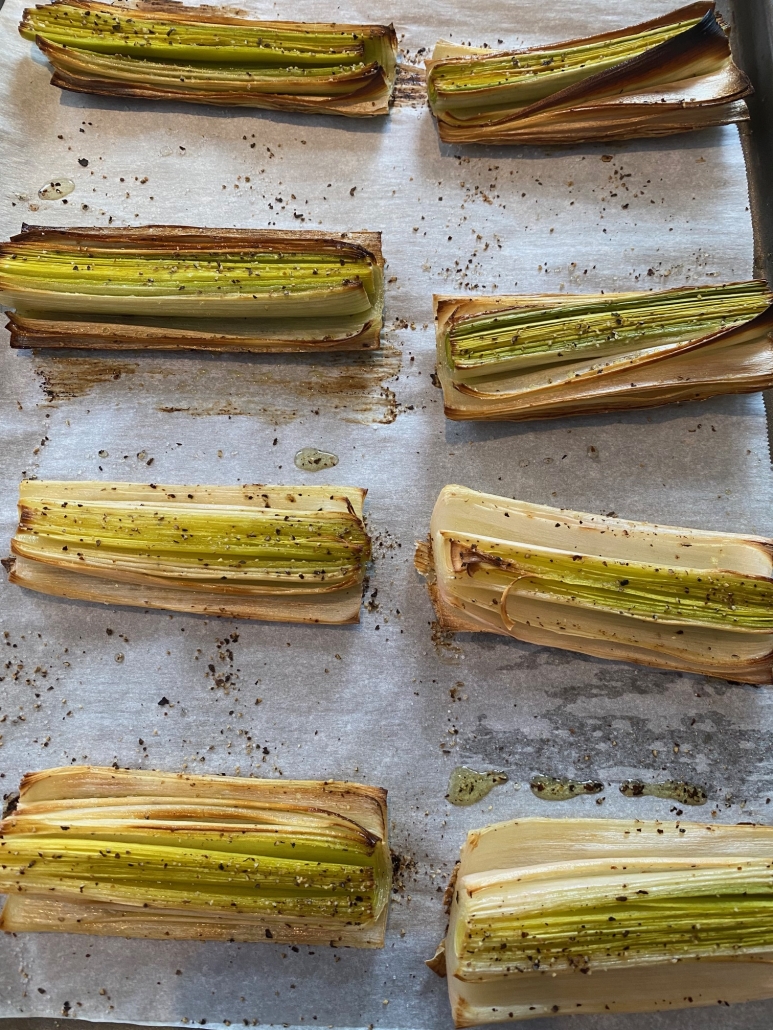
<point x="410" y="86"/>
<point x="62" y="379"/>
<point x="279" y="388"/>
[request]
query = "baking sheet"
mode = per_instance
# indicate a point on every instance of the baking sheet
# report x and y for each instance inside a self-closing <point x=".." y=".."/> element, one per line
<point x="390" y="702"/>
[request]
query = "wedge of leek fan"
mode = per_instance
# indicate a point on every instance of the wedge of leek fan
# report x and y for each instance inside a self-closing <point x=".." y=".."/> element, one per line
<point x="176" y="287"/>
<point x="671" y="598"/>
<point x="543" y="356"/>
<point x="672" y="74"/>
<point x="150" y="854"/>
<point x="573" y="916"/>
<point x="283" y="553"/>
<point x="162" y="50"/>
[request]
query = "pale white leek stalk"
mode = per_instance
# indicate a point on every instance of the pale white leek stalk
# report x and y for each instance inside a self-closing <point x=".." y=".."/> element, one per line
<point x="149" y="854"/>
<point x="287" y="554"/>
<point x="579" y="916"/>
<point x="657" y="595"/>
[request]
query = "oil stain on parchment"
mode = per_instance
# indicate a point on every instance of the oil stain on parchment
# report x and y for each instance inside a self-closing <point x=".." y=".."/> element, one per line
<point x="279" y="388"/>
<point x="669" y="790"/>
<point x="63" y="379"/>
<point x="410" y="86"/>
<point x="467" y="786"/>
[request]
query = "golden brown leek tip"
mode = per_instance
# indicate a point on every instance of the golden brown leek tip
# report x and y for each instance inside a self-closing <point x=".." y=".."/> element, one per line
<point x="604" y="87"/>
<point x="529" y="357"/>
<point x="293" y="66"/>
<point x="227" y="290"/>
<point x="112" y="869"/>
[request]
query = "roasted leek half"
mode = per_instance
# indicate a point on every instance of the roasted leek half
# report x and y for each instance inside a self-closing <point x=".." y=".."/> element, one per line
<point x="163" y="287"/>
<point x="671" y="74"/>
<point x="283" y="553"/>
<point x="526" y="357"/>
<point x="573" y="916"/>
<point x="161" y="50"/>
<point x="671" y="598"/>
<point x="151" y="854"/>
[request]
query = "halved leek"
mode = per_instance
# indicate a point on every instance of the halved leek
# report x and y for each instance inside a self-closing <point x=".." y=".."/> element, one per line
<point x="176" y="287"/>
<point x="167" y="51"/>
<point x="543" y="356"/>
<point x="150" y="854"/>
<point x="671" y="598"/>
<point x="664" y="915"/>
<point x="672" y="74"/>
<point x="287" y="554"/>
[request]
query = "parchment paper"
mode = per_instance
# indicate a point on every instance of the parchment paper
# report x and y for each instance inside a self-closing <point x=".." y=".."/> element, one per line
<point x="388" y="702"/>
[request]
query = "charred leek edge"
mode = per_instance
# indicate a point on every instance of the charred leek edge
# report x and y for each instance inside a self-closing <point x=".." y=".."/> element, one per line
<point x="661" y="913"/>
<point x="156" y="854"/>
<point x="180" y="287"/>
<point x="187" y="53"/>
<point x="282" y="553"/>
<point x="536" y="356"/>
<point x="657" y="595"/>
<point x="671" y="74"/>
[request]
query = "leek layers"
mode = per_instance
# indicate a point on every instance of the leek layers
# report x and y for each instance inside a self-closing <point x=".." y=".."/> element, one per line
<point x="287" y="554"/>
<point x="543" y="356"/>
<point x="671" y="598"/>
<point x="663" y="915"/>
<point x="161" y="50"/>
<point x="148" y="854"/>
<point x="668" y="75"/>
<point x="168" y="287"/>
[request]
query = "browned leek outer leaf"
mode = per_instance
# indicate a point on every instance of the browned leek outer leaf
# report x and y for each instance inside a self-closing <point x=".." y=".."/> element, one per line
<point x="33" y="324"/>
<point x="699" y="628"/>
<point x="277" y="553"/>
<point x="738" y="359"/>
<point x="542" y="851"/>
<point x="688" y="82"/>
<point x="355" y="88"/>
<point x="183" y="798"/>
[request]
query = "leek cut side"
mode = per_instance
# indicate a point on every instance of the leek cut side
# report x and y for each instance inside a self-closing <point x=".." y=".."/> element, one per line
<point x="145" y="854"/>
<point x="657" y="595"/>
<point x="671" y="74"/>
<point x="663" y="915"/>
<point x="177" y="287"/>
<point x="281" y="553"/>
<point x="542" y="356"/>
<point x="172" y="52"/>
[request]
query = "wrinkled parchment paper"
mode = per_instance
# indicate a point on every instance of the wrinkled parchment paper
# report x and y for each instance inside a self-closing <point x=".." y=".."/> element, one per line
<point x="387" y="702"/>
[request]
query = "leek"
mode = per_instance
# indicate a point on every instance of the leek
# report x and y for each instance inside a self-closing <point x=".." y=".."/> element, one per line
<point x="202" y="56"/>
<point x="168" y="287"/>
<point x="542" y="356"/>
<point x="671" y="74"/>
<point x="280" y="553"/>
<point x="657" y="595"/>
<point x="155" y="854"/>
<point x="640" y="905"/>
